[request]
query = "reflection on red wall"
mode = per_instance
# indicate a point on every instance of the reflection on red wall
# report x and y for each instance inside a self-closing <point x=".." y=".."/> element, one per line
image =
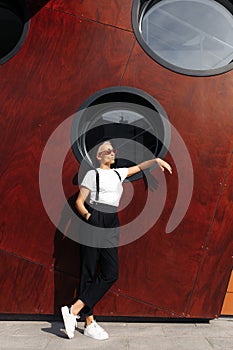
<point x="74" y="49"/>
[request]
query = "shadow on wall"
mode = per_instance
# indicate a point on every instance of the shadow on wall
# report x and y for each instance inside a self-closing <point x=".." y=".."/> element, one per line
<point x="66" y="259"/>
<point x="67" y="250"/>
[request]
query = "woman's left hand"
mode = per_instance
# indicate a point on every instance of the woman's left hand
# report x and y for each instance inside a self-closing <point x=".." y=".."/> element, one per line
<point x="163" y="165"/>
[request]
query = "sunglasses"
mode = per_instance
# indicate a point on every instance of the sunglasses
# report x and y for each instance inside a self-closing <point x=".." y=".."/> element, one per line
<point x="108" y="152"/>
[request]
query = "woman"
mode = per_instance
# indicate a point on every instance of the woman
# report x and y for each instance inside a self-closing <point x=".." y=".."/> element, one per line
<point x="104" y="186"/>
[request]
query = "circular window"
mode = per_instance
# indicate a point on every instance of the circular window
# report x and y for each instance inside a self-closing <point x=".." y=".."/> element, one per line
<point x="135" y="122"/>
<point x="14" y="26"/>
<point x="193" y="37"/>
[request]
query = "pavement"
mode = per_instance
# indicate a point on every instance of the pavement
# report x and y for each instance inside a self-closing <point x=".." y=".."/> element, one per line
<point x="35" y="335"/>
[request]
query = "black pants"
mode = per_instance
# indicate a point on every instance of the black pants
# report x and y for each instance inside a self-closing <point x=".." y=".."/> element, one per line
<point x="99" y="266"/>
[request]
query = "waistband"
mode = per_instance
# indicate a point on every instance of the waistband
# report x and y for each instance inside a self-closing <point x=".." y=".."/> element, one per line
<point x="103" y="207"/>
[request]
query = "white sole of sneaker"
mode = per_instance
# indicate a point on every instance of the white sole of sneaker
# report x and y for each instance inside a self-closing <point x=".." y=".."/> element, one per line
<point x="65" y="312"/>
<point x="95" y="338"/>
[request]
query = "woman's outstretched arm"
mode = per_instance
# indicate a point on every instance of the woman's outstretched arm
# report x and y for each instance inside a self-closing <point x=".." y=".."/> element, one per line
<point x="148" y="164"/>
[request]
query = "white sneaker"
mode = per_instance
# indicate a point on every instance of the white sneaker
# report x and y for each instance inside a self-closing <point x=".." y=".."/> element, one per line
<point x="95" y="331"/>
<point x="69" y="321"/>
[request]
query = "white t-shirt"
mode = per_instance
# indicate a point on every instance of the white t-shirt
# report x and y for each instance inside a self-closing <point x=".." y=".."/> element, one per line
<point x="110" y="186"/>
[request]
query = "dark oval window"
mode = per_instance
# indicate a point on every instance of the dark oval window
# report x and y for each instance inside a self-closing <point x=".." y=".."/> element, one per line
<point x="193" y="37"/>
<point x="14" y="26"/>
<point x="134" y="120"/>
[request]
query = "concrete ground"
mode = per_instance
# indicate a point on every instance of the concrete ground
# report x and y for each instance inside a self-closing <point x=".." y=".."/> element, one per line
<point x="34" y="335"/>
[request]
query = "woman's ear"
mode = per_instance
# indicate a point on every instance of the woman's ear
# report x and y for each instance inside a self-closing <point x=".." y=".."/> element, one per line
<point x="98" y="157"/>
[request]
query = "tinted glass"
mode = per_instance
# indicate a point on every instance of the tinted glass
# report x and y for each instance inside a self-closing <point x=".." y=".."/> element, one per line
<point x="127" y="126"/>
<point x="191" y="34"/>
<point x="135" y="122"/>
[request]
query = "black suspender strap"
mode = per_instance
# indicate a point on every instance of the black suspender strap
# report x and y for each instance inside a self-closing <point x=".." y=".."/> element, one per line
<point x="118" y="174"/>
<point x="98" y="183"/>
<point x="97" y="186"/>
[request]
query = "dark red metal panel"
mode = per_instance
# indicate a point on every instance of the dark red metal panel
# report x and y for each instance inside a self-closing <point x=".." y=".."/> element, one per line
<point x="117" y="13"/>
<point x="23" y="284"/>
<point x="216" y="263"/>
<point x="65" y="59"/>
<point x="43" y="85"/>
<point x="195" y="107"/>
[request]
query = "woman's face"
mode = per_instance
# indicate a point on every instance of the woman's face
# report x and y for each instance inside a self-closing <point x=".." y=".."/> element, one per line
<point x="107" y="154"/>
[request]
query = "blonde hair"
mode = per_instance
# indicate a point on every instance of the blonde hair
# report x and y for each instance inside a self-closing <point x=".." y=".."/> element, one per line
<point x="102" y="144"/>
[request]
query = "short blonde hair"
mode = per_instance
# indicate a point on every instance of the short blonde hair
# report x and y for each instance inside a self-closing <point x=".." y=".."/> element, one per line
<point x="102" y="144"/>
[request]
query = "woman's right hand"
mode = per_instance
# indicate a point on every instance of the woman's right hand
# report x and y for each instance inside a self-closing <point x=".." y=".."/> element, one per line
<point x="88" y="216"/>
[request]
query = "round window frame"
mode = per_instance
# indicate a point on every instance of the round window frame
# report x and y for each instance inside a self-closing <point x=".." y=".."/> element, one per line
<point x="26" y="25"/>
<point x="80" y="156"/>
<point x="138" y="7"/>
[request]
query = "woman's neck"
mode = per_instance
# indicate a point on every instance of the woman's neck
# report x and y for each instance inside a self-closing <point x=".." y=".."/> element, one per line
<point x="105" y="166"/>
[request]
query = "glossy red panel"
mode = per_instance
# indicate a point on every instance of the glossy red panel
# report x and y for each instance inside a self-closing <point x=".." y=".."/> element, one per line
<point x="116" y="304"/>
<point x="53" y="75"/>
<point x="73" y="49"/>
<point x="171" y="263"/>
<point x="216" y="263"/>
<point x="23" y="284"/>
<point x="118" y="13"/>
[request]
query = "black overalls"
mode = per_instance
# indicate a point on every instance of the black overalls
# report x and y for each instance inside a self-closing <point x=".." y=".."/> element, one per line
<point x="93" y="284"/>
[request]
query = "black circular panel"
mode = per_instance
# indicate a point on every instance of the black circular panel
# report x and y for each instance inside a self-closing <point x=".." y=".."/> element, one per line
<point x="13" y="28"/>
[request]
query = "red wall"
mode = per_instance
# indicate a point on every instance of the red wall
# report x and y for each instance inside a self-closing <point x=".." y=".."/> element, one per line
<point x="73" y="49"/>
